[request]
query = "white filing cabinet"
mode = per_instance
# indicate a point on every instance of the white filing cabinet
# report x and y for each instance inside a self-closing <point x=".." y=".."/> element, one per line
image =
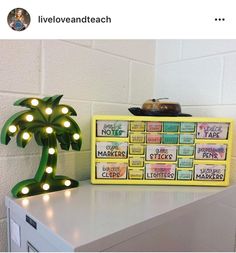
<point x="124" y="218"/>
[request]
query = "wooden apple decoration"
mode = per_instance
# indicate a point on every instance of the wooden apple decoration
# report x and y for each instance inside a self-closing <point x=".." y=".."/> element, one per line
<point x="155" y="105"/>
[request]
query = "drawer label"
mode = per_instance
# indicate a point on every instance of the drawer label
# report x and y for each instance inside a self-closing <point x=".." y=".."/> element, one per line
<point x="112" y="128"/>
<point x="135" y="173"/>
<point x="112" y="149"/>
<point x="186" y="150"/>
<point x="153" y="138"/>
<point x="136" y="162"/>
<point x="212" y="130"/>
<point x="210" y="152"/>
<point x="136" y="149"/>
<point x="186" y="138"/>
<point x="187" y="127"/>
<point x="154" y="126"/>
<point x="184" y="175"/>
<point x="112" y="170"/>
<point x="137" y="126"/>
<point x="185" y="162"/>
<point x="171" y="126"/>
<point x="209" y="172"/>
<point x="164" y="153"/>
<point x="160" y="171"/>
<point x="170" y="138"/>
<point x="137" y="137"/>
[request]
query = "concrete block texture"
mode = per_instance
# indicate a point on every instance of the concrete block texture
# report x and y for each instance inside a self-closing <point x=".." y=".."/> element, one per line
<point x="202" y="48"/>
<point x="20" y="66"/>
<point x="140" y="50"/>
<point x="3" y="235"/>
<point x="84" y="74"/>
<point x="141" y="85"/>
<point x="194" y="82"/>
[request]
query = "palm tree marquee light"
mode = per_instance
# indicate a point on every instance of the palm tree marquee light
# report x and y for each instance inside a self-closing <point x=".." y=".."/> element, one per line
<point x="48" y="111"/>
<point x="49" y="170"/>
<point x="25" y="136"/>
<point x="29" y="118"/>
<point x="50" y="123"/>
<point x="64" y="110"/>
<point x="66" y="124"/>
<point x="51" y="151"/>
<point x="34" y="102"/>
<point x="67" y="183"/>
<point x="76" y="136"/>
<point x="46" y="187"/>
<point x="12" y="129"/>
<point x="25" y="190"/>
<point x="49" y="130"/>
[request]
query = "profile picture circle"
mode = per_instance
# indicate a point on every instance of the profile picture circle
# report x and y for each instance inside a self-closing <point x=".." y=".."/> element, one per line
<point x="18" y="19"/>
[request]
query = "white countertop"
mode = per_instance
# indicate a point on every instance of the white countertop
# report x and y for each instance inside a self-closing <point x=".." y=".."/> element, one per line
<point x="95" y="217"/>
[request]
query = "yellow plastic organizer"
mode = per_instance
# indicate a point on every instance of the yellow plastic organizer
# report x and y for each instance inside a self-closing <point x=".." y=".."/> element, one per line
<point x="161" y="150"/>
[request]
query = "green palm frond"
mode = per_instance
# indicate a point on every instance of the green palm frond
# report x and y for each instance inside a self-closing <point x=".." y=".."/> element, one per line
<point x="27" y="102"/>
<point x="46" y="101"/>
<point x="37" y="109"/>
<point x="6" y="134"/>
<point x="21" y="141"/>
<point x="56" y="100"/>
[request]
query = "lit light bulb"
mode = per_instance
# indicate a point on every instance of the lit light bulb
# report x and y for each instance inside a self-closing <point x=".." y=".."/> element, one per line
<point x="67" y="183"/>
<point x="51" y="151"/>
<point x="34" y="102"/>
<point x="76" y="136"/>
<point x="12" y="129"/>
<point x="48" y="111"/>
<point x="46" y="187"/>
<point x="64" y="110"/>
<point x="29" y="118"/>
<point x="49" y="170"/>
<point x="66" y="124"/>
<point x="25" y="190"/>
<point x="49" y="130"/>
<point x="25" y="136"/>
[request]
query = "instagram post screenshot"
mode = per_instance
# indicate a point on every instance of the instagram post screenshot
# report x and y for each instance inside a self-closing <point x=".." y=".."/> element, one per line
<point x="117" y="126"/>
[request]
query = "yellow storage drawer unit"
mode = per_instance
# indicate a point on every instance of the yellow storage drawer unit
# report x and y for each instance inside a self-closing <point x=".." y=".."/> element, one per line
<point x="161" y="150"/>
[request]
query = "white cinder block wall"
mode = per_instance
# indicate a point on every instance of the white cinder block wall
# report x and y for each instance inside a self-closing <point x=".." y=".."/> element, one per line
<point x="201" y="75"/>
<point x="96" y="77"/>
